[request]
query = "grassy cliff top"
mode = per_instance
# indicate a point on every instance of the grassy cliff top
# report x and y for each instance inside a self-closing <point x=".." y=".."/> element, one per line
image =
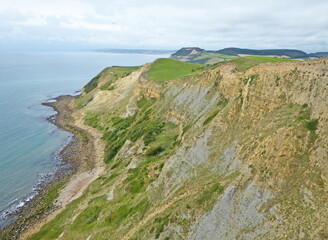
<point x="244" y="63"/>
<point x="116" y="71"/>
<point x="165" y="69"/>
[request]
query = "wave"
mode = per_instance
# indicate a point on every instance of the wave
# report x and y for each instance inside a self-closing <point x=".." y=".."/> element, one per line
<point x="17" y="205"/>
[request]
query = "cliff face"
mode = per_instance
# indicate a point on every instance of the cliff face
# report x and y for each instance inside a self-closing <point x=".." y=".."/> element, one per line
<point x="217" y="155"/>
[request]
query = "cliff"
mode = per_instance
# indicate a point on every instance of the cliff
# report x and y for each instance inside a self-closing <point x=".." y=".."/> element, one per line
<point x="215" y="154"/>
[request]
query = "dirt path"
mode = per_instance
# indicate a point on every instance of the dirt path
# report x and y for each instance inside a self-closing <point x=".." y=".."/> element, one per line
<point x="90" y="156"/>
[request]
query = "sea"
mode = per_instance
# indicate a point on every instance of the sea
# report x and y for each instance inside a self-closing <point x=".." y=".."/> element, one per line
<point x="29" y="144"/>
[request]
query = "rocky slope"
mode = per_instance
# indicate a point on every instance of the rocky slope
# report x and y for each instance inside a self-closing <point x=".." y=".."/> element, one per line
<point x="220" y="154"/>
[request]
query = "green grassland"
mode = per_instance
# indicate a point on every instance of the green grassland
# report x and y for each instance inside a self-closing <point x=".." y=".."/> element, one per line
<point x="116" y="73"/>
<point x="165" y="69"/>
<point x="244" y="63"/>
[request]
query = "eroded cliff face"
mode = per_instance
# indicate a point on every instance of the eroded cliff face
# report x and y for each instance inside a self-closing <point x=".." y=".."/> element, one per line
<point x="224" y="155"/>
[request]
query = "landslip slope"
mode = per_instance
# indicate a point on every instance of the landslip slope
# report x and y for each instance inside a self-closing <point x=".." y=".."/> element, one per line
<point x="220" y="154"/>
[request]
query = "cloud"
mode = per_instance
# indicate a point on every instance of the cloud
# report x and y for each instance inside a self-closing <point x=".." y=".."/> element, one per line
<point x="210" y="24"/>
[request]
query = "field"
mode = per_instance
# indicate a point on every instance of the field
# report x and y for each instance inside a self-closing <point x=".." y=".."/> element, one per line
<point x="244" y="63"/>
<point x="165" y="69"/>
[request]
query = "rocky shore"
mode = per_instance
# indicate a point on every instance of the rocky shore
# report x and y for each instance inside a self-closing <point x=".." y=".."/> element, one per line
<point x="81" y="163"/>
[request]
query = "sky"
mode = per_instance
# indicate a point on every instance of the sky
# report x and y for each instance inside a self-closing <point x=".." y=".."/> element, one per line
<point x="165" y="24"/>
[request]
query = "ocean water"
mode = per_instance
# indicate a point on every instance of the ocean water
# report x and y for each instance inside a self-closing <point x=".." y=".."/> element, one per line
<point x="28" y="143"/>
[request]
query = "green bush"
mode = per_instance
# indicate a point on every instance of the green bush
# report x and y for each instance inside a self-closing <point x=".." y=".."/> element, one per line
<point x="223" y="102"/>
<point x="153" y="151"/>
<point x="207" y="194"/>
<point x="210" y="118"/>
<point x="92" y="120"/>
<point x="162" y="222"/>
<point x="311" y="124"/>
<point x="92" y="84"/>
<point x="144" y="102"/>
<point x="86" y="218"/>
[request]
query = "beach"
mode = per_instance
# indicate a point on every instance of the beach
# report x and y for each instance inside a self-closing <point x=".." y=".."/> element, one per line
<point x="83" y="161"/>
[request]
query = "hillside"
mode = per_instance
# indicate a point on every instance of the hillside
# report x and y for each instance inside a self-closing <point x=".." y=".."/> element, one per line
<point x="201" y="56"/>
<point x="273" y="52"/>
<point x="230" y="151"/>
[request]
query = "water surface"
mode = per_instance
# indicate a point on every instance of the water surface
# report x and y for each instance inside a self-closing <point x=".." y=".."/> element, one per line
<point x="28" y="143"/>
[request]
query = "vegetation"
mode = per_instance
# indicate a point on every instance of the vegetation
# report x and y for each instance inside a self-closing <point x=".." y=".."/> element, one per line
<point x="92" y="84"/>
<point x="92" y="120"/>
<point x="116" y="73"/>
<point x="143" y="194"/>
<point x="221" y="104"/>
<point x="245" y="63"/>
<point x="311" y="125"/>
<point x="161" y="223"/>
<point x="208" y="193"/>
<point x="81" y="101"/>
<point x="165" y="69"/>
<point x="210" y="118"/>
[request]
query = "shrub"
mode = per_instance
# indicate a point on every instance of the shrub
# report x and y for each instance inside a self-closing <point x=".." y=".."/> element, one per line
<point x="92" y="120"/>
<point x="92" y="84"/>
<point x="153" y="151"/>
<point x="311" y="124"/>
<point x="207" y="194"/>
<point x="210" y="118"/>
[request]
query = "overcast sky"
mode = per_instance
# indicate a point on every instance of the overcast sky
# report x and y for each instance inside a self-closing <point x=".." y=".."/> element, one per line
<point x="165" y="24"/>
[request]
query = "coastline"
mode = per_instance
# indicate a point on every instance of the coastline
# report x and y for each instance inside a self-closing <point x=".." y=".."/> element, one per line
<point x="83" y="163"/>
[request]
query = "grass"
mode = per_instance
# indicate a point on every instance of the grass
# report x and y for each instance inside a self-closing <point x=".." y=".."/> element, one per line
<point x="208" y="193"/>
<point x="129" y="128"/>
<point x="92" y="84"/>
<point x="165" y="69"/>
<point x="54" y="228"/>
<point x="145" y="103"/>
<point x="210" y="118"/>
<point x="311" y="125"/>
<point x="142" y="124"/>
<point x="161" y="223"/>
<point x="244" y="63"/>
<point x="117" y="72"/>
<point x="92" y="120"/>
<point x="221" y="104"/>
<point x="81" y="101"/>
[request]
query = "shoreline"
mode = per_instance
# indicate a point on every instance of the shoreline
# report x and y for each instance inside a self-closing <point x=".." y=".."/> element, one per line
<point x="82" y="159"/>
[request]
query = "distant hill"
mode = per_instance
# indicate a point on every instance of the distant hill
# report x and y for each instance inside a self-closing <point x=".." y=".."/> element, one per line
<point x="319" y="54"/>
<point x="201" y="56"/>
<point x="273" y="52"/>
<point x="187" y="54"/>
